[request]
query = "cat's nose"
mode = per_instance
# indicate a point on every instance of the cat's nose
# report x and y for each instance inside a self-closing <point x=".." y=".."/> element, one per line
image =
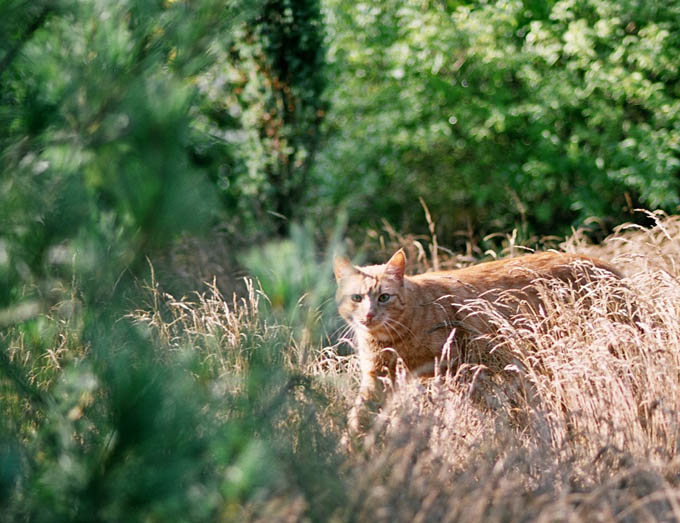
<point x="370" y="316"/>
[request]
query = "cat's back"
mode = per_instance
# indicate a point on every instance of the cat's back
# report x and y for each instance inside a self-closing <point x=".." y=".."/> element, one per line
<point x="516" y="272"/>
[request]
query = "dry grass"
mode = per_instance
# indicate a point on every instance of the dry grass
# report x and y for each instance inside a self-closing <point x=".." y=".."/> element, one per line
<point x="582" y="425"/>
<point x="587" y="432"/>
<point x="636" y="249"/>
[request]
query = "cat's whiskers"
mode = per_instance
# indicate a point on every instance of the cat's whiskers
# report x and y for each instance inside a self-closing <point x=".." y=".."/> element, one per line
<point x="395" y="330"/>
<point x="347" y="335"/>
<point x="401" y="325"/>
<point x="392" y="331"/>
<point x="341" y="332"/>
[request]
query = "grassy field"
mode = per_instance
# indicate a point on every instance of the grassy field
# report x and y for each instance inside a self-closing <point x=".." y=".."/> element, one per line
<point x="233" y="408"/>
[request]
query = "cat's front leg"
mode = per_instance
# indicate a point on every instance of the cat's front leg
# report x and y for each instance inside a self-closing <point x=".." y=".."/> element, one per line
<point x="371" y="390"/>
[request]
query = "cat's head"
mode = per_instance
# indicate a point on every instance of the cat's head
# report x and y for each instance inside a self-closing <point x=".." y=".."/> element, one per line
<point x="371" y="298"/>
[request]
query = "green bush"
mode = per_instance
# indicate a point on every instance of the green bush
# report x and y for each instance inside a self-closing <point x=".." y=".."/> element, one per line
<point x="502" y="114"/>
<point x="264" y="103"/>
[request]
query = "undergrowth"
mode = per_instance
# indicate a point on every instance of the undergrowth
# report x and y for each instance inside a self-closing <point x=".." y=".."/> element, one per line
<point x="218" y="408"/>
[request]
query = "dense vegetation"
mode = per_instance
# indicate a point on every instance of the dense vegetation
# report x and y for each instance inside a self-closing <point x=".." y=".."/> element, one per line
<point x="503" y="114"/>
<point x="146" y="146"/>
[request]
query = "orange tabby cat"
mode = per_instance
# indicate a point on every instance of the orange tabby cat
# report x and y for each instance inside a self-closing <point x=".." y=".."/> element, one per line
<point x="411" y="318"/>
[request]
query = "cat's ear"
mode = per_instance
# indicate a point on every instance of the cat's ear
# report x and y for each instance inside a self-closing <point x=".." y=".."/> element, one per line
<point x="396" y="265"/>
<point x="342" y="268"/>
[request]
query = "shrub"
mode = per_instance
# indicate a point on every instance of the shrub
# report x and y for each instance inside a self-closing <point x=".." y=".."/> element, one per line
<point x="502" y="114"/>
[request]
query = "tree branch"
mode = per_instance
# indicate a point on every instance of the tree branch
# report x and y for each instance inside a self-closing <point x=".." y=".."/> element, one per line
<point x="32" y="28"/>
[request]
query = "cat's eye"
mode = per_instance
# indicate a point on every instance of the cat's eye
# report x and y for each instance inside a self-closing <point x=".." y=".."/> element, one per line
<point x="384" y="298"/>
<point x="356" y="298"/>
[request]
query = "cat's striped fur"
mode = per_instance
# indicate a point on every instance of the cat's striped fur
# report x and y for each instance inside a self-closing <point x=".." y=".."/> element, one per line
<point x="412" y="318"/>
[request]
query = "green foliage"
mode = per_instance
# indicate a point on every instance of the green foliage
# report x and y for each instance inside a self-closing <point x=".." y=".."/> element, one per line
<point x="143" y="430"/>
<point x="265" y="100"/>
<point x="293" y="52"/>
<point x="96" y="143"/>
<point x="297" y="282"/>
<point x="114" y="126"/>
<point x="106" y="116"/>
<point x="124" y="125"/>
<point x="503" y="113"/>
